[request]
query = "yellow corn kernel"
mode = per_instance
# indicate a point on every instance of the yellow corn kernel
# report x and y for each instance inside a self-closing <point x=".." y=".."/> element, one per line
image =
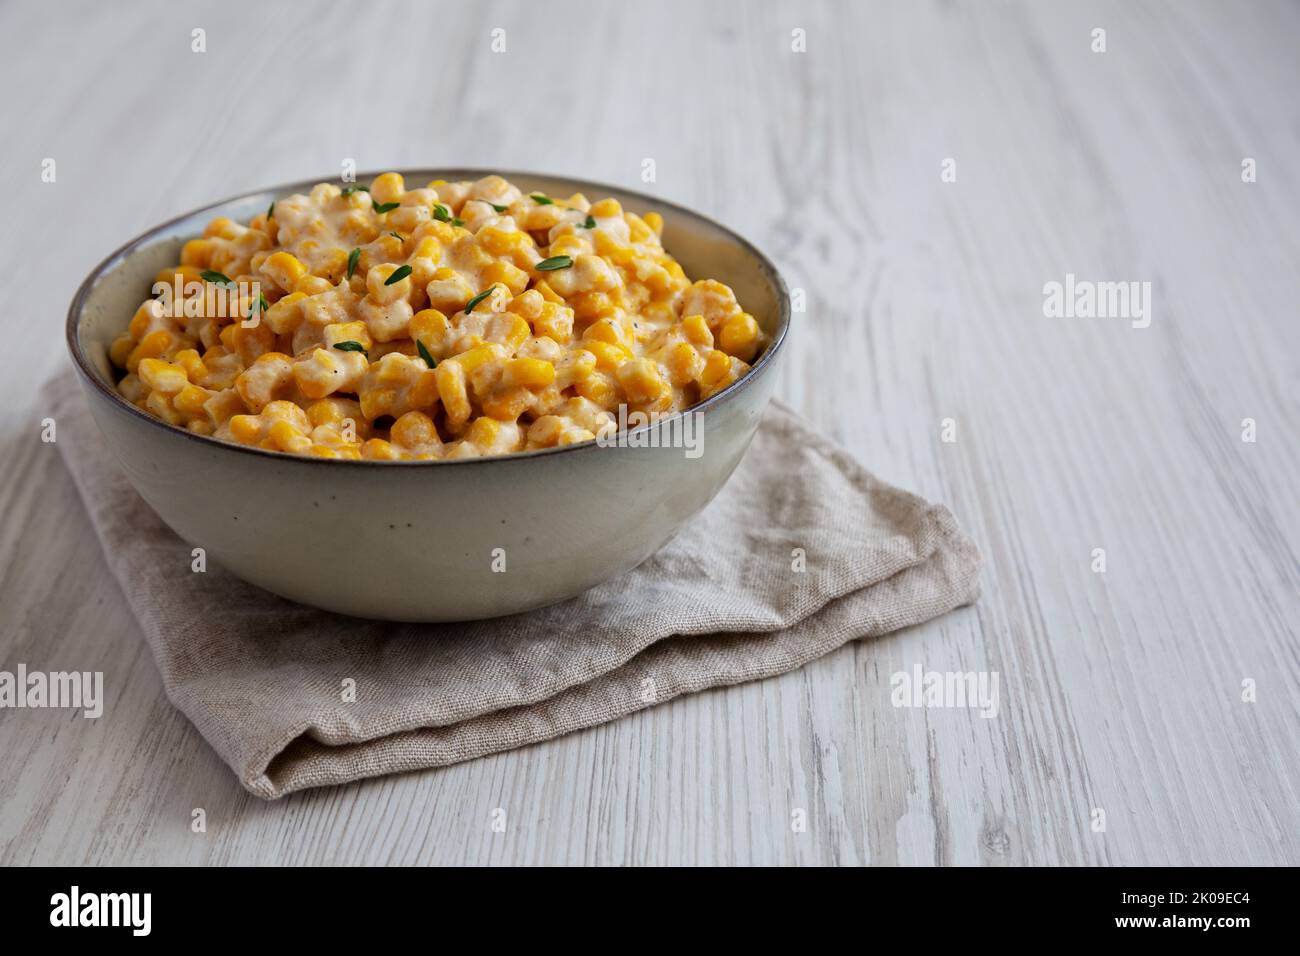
<point x="284" y="269"/>
<point x="640" y="380"/>
<point x="312" y="285"/>
<point x="189" y="360"/>
<point x="716" y="366"/>
<point x="151" y="346"/>
<point x="120" y="349"/>
<point x="287" y="438"/>
<point x="160" y="405"/>
<point x="471" y="360"/>
<point x="605" y="208"/>
<point x="508" y="404"/>
<point x="450" y="377"/>
<point x="512" y="277"/>
<point x="223" y="228"/>
<point x="529" y="372"/>
<point x="430" y="327"/>
<point x="618" y="252"/>
<point x="196" y="252"/>
<point x="605" y="330"/>
<point x="377" y="449"/>
<point x="545" y="432"/>
<point x="190" y="400"/>
<point x="379" y="288"/>
<point x="655" y="222"/>
<point x="245" y="428"/>
<point x="500" y="242"/>
<point x="556" y="322"/>
<point x="598" y="387"/>
<point x="483" y="432"/>
<point x="697" y="331"/>
<point x="143" y="318"/>
<point x="549" y="294"/>
<point x="574" y="367"/>
<point x="637" y="228"/>
<point x="592" y="305"/>
<point x="162" y="376"/>
<point x="684" y="363"/>
<point x="567" y="245"/>
<point x="388" y="187"/>
<point x="414" y="429"/>
<point x="285" y="315"/>
<point x="573" y="435"/>
<point x="739" y="336"/>
<point x="222" y="405"/>
<point x="348" y="332"/>
<point x="608" y="355"/>
<point x="509" y="330"/>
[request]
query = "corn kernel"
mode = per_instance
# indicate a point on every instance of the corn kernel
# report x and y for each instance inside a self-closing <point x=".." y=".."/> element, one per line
<point x="531" y="373"/>
<point x="739" y="336"/>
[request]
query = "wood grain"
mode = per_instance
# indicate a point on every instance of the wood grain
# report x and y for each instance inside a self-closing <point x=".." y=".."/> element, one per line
<point x="1119" y="691"/>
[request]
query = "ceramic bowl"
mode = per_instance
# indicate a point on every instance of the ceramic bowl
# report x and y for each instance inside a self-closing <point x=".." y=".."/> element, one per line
<point x="426" y="541"/>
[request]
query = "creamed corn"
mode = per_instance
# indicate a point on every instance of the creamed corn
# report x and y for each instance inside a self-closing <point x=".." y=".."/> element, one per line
<point x="449" y="321"/>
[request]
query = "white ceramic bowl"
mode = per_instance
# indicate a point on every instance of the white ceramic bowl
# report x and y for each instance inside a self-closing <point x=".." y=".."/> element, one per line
<point x="415" y="541"/>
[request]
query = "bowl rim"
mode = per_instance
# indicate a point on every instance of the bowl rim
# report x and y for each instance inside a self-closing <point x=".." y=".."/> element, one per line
<point x="123" y="252"/>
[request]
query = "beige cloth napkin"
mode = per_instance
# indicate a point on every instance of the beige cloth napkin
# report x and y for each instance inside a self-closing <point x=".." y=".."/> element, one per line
<point x="261" y="677"/>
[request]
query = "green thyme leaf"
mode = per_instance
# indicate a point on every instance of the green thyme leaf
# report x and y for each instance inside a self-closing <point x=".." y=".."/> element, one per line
<point x="469" y="306"/>
<point x="217" y="278"/>
<point x="443" y="214"/>
<point x="353" y="258"/>
<point x="270" y="210"/>
<point x="351" y="346"/>
<point x="424" y="354"/>
<point x="397" y="236"/>
<point x="590" y="223"/>
<point x="261" y="305"/>
<point x="553" y="263"/>
<point x="349" y="190"/>
<point x="385" y="206"/>
<point x="498" y="208"/>
<point x="400" y="273"/>
<point x="541" y="199"/>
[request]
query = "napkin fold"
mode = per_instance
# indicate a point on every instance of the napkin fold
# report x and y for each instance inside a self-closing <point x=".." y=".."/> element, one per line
<point x="802" y="551"/>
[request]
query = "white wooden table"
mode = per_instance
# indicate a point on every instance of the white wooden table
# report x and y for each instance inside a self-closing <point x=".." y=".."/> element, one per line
<point x="1120" y="690"/>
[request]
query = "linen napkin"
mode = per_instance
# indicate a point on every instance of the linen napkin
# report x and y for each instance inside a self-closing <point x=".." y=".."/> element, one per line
<point x="801" y="551"/>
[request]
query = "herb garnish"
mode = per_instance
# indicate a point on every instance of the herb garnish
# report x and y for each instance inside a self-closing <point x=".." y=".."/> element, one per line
<point x="469" y="306"/>
<point x="352" y="346"/>
<point x="400" y="273"/>
<point x="553" y="263"/>
<point x="216" y="278"/>
<point x="385" y="206"/>
<point x="424" y="354"/>
<point x="261" y="305"/>
<point x="443" y="214"/>
<point x="541" y="199"/>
